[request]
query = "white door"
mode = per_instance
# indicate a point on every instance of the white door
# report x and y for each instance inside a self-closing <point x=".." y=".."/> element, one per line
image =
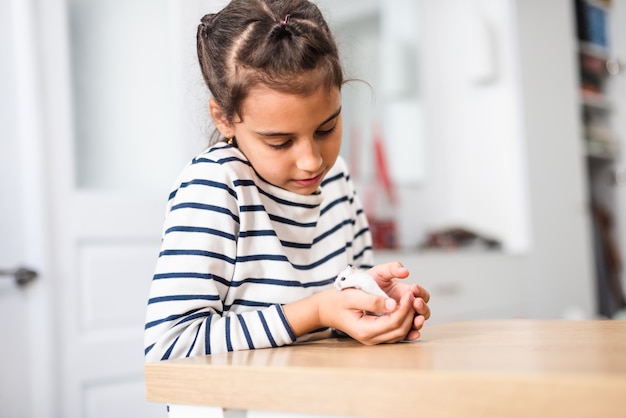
<point x="123" y="111"/>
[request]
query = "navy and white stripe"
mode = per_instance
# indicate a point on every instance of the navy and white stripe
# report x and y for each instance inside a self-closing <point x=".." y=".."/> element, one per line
<point x="235" y="249"/>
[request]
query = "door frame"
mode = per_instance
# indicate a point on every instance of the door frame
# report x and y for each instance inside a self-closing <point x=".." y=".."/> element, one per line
<point x="35" y="227"/>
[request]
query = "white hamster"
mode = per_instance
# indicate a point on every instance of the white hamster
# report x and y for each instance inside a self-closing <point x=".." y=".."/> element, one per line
<point x="353" y="277"/>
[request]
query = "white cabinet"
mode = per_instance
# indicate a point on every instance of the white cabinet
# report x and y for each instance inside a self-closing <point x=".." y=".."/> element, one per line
<point x="466" y="285"/>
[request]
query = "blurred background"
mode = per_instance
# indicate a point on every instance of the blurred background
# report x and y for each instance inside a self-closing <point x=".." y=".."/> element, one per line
<point x="485" y="144"/>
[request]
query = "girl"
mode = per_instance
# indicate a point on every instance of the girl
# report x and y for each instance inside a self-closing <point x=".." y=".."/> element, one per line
<point x="260" y="224"/>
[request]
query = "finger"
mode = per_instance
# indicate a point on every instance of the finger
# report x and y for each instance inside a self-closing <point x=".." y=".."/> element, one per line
<point x="379" y="329"/>
<point x="388" y="271"/>
<point x="401" y="333"/>
<point x="414" y="332"/>
<point x="398" y="323"/>
<point x="413" y="335"/>
<point x="418" y="322"/>
<point x="420" y="292"/>
<point x="421" y="307"/>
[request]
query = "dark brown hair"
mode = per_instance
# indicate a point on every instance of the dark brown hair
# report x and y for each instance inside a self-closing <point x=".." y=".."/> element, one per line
<point x="285" y="45"/>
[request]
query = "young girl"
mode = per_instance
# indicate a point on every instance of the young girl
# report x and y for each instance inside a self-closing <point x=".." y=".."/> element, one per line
<point x="260" y="224"/>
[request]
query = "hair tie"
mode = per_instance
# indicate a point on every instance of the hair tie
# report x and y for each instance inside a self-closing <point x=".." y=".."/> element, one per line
<point x="206" y="23"/>
<point x="285" y="20"/>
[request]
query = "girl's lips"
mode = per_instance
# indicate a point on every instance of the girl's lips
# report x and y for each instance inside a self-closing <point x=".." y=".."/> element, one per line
<point x="311" y="181"/>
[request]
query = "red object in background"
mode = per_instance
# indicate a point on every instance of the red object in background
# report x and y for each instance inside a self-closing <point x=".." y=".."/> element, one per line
<point x="383" y="233"/>
<point x="382" y="168"/>
<point x="593" y="73"/>
<point x="382" y="225"/>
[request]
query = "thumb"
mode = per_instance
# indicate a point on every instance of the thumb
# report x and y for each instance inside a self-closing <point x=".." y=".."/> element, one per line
<point x="366" y="302"/>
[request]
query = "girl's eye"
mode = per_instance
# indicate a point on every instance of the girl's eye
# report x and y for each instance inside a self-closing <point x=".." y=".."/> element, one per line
<point x="281" y="145"/>
<point x="319" y="133"/>
<point x="326" y="132"/>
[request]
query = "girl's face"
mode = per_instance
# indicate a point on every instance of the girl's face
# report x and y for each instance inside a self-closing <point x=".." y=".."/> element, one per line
<point x="292" y="141"/>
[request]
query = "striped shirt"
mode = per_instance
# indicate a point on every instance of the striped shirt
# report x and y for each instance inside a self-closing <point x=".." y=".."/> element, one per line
<point x="236" y="248"/>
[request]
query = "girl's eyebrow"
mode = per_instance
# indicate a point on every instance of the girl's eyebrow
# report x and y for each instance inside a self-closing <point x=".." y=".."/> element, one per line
<point x="272" y="134"/>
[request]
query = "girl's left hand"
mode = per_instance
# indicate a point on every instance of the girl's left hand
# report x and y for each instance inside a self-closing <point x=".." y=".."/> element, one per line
<point x="384" y="274"/>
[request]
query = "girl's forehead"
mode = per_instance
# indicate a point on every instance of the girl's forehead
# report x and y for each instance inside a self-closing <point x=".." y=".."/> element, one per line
<point x="263" y="99"/>
<point x="267" y="110"/>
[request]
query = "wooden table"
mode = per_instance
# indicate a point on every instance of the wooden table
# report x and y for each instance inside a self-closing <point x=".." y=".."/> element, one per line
<point x="510" y="368"/>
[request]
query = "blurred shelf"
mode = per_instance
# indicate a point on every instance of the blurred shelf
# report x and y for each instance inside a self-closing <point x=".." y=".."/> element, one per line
<point x="602" y="150"/>
<point x="595" y="100"/>
<point x="594" y="50"/>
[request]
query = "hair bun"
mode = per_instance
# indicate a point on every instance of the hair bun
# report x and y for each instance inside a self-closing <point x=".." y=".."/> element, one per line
<point x="206" y="23"/>
<point x="208" y="19"/>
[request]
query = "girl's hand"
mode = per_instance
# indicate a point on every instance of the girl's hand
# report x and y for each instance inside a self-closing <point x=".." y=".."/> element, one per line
<point x="406" y="309"/>
<point x="345" y="310"/>
<point x="384" y="274"/>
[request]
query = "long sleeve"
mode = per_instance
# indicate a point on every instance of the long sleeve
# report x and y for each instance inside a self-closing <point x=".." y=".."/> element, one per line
<point x="186" y="312"/>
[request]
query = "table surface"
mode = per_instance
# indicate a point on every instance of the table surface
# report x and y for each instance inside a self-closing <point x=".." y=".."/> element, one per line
<point x="476" y="368"/>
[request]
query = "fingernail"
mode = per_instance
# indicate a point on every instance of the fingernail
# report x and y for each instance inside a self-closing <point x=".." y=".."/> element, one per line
<point x="390" y="304"/>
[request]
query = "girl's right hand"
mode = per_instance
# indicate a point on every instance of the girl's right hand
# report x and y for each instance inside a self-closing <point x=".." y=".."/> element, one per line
<point x="346" y="311"/>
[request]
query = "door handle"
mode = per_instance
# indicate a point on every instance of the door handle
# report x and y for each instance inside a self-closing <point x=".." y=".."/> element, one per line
<point x="21" y="275"/>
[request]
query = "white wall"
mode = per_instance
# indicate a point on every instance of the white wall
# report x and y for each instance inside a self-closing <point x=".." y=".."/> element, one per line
<point x="449" y="106"/>
<point x="476" y="160"/>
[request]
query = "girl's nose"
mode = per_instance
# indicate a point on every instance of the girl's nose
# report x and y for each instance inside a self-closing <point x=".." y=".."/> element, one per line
<point x="309" y="158"/>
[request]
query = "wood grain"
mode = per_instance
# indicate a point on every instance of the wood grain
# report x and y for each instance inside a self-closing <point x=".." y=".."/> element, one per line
<point x="514" y="368"/>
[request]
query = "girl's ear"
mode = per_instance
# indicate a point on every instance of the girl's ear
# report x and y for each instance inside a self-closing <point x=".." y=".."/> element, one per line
<point x="220" y="120"/>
